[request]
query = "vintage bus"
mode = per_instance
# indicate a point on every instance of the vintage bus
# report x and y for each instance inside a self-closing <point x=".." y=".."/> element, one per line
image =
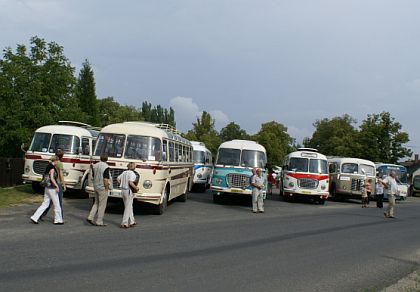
<point x="203" y="166"/>
<point x="305" y="174"/>
<point x="383" y="169"/>
<point x="163" y="161"/>
<point x="233" y="168"/>
<point x="348" y="176"/>
<point x="415" y="182"/>
<point x="77" y="140"/>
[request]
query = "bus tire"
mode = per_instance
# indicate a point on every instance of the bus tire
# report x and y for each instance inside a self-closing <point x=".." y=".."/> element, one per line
<point x="321" y="201"/>
<point x="84" y="193"/>
<point x="161" y="208"/>
<point x="217" y="199"/>
<point x="36" y="187"/>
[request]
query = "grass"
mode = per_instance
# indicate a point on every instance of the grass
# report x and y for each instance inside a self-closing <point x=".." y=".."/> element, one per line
<point x="18" y="195"/>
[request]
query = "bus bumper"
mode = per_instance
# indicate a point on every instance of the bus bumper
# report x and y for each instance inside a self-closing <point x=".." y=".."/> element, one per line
<point x="236" y="191"/>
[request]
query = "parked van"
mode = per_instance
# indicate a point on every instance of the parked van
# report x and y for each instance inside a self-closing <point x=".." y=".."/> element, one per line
<point x="305" y="174"/>
<point x="77" y="140"/>
<point x="203" y="166"/>
<point x="383" y="170"/>
<point x="348" y="177"/>
<point x="233" y="169"/>
<point x="163" y="161"/>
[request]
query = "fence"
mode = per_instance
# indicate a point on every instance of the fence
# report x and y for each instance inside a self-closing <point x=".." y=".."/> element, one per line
<point x="11" y="170"/>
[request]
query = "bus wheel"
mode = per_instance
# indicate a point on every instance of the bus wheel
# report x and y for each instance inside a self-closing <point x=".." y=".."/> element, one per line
<point x="217" y="199"/>
<point x="37" y="188"/>
<point x="161" y="208"/>
<point x="83" y="190"/>
<point x="321" y="201"/>
<point x="183" y="197"/>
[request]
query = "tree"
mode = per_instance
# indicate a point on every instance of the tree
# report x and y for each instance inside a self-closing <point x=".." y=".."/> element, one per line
<point x="112" y="112"/>
<point x="86" y="93"/>
<point x="274" y="137"/>
<point x="381" y="139"/>
<point x="233" y="131"/>
<point x="335" y="137"/>
<point x="203" y="130"/>
<point x="36" y="89"/>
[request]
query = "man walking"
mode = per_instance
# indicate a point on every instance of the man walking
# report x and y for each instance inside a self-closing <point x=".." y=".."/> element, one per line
<point x="101" y="184"/>
<point x="257" y="183"/>
<point x="391" y="187"/>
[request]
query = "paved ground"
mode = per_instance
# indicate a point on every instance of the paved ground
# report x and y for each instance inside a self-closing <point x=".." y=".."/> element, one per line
<point x="200" y="246"/>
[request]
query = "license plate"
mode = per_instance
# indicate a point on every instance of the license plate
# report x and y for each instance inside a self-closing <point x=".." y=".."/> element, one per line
<point x="306" y="192"/>
<point x="38" y="179"/>
<point x="114" y="193"/>
<point x="236" y="191"/>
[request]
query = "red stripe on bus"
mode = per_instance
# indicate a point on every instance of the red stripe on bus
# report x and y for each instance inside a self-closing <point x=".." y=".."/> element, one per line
<point x="31" y="156"/>
<point x="307" y="175"/>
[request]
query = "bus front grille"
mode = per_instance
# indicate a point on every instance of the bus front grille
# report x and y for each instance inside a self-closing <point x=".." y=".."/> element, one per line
<point x="356" y="185"/>
<point x="308" y="183"/>
<point x="114" y="173"/>
<point x="39" y="166"/>
<point x="237" y="180"/>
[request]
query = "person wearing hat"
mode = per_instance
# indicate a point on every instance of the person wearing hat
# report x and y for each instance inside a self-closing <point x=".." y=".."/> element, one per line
<point x="50" y="194"/>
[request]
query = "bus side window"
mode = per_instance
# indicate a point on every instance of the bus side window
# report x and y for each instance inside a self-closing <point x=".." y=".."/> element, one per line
<point x="165" y="149"/>
<point x="171" y="152"/>
<point x="85" y="146"/>
<point x="332" y="168"/>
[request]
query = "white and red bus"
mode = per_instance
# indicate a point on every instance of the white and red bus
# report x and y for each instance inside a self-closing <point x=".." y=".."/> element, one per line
<point x="305" y="174"/>
<point x="163" y="161"/>
<point x="77" y="140"/>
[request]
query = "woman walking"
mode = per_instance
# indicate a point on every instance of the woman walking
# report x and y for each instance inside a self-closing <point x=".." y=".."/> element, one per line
<point x="50" y="194"/>
<point x="127" y="181"/>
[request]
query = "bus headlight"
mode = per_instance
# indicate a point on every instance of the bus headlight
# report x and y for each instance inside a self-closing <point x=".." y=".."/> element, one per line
<point x="218" y="181"/>
<point x="291" y="184"/>
<point x="147" y="184"/>
<point x="65" y="173"/>
<point x="323" y="187"/>
<point x="199" y="175"/>
<point x="27" y="169"/>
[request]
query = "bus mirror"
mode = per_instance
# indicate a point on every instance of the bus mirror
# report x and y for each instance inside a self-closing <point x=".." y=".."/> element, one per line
<point x="22" y="147"/>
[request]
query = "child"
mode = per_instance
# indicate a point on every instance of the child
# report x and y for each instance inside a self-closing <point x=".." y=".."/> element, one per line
<point x="366" y="193"/>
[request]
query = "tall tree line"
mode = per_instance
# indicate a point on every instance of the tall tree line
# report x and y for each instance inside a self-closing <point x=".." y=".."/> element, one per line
<point x="38" y="87"/>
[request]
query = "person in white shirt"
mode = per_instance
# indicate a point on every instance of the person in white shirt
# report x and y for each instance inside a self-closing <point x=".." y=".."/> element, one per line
<point x="390" y="184"/>
<point x="127" y="183"/>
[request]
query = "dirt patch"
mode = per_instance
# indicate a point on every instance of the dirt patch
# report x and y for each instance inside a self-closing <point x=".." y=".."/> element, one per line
<point x="409" y="283"/>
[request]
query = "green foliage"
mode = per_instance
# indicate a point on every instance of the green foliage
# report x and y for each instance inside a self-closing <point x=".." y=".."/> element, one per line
<point x="86" y="93"/>
<point x="36" y="87"/>
<point x="274" y="137"/>
<point x="381" y="139"/>
<point x="203" y="130"/>
<point x="335" y="137"/>
<point x="158" y="114"/>
<point x="233" y="131"/>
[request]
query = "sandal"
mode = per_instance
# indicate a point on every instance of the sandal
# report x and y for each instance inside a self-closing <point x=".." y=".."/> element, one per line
<point x="124" y="226"/>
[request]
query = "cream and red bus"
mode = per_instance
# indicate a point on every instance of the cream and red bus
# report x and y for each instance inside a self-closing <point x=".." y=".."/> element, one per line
<point x="305" y="174"/>
<point x="77" y="140"/>
<point x="163" y="161"/>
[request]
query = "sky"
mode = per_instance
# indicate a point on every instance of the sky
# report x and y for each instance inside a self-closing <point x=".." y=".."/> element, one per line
<point x="243" y="61"/>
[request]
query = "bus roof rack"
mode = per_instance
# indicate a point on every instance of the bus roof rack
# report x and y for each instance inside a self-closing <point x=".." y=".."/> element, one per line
<point x="308" y="149"/>
<point x="168" y="128"/>
<point x="79" y="124"/>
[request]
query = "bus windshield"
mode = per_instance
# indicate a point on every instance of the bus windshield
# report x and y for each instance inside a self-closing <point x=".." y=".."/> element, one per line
<point x="253" y="158"/>
<point x="350" y="168"/>
<point x="111" y="144"/>
<point x="400" y="171"/>
<point x="308" y="165"/>
<point x="367" y="170"/>
<point x="143" y="148"/>
<point x="318" y="166"/>
<point x="40" y="142"/>
<point x="229" y="156"/>
<point x="198" y="156"/>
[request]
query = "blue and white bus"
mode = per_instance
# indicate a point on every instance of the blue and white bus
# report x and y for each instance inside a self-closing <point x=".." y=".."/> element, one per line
<point x="383" y="169"/>
<point x="203" y="166"/>
<point x="233" y="169"/>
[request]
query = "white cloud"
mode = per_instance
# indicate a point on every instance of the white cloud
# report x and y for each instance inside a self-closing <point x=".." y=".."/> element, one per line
<point x="187" y="111"/>
<point x="221" y="119"/>
<point x="298" y="133"/>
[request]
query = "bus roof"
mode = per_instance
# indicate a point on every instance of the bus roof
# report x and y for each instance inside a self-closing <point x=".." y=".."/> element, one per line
<point x="389" y="165"/>
<point x="66" y="130"/>
<point x="307" y="154"/>
<point x="199" y="146"/>
<point x="351" y="160"/>
<point x="144" y="129"/>
<point x="243" y="144"/>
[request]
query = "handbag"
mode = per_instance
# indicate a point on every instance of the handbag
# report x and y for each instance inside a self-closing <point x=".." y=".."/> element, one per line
<point x="46" y="181"/>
